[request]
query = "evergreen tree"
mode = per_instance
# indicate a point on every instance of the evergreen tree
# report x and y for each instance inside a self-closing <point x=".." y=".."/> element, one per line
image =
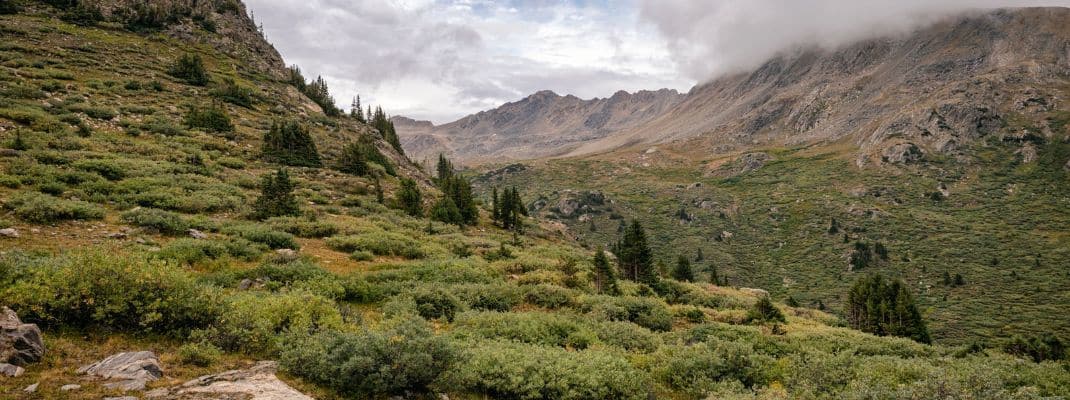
<point x="496" y="209"/>
<point x="352" y="160"/>
<point x="444" y="169"/>
<point x="409" y="198"/>
<point x="276" y="197"/>
<point x="791" y="302"/>
<point x="699" y="256"/>
<point x="682" y="272"/>
<point x="636" y="258"/>
<point x="445" y="210"/>
<point x="378" y="191"/>
<point x="289" y="143"/>
<point x="605" y="278"/>
<point x="385" y="127"/>
<point x="886" y="309"/>
<point x="213" y="118"/>
<point x="356" y="111"/>
<point x="190" y="68"/>
<point x="765" y="311"/>
<point x="714" y="278"/>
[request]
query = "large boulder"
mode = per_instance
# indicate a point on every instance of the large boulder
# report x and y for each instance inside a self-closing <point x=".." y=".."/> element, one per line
<point x="130" y="371"/>
<point x="256" y="383"/>
<point x="20" y="343"/>
<point x="902" y="153"/>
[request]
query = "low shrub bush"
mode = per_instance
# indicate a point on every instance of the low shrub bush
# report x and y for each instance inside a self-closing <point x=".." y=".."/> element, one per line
<point x="43" y="209"/>
<point x="263" y="234"/>
<point x="256" y="323"/>
<point x="404" y="358"/>
<point x="161" y="221"/>
<point x="302" y="227"/>
<point x="199" y="354"/>
<point x="380" y="243"/>
<point x="646" y="312"/>
<point x="114" y="291"/>
<point x="548" y="296"/>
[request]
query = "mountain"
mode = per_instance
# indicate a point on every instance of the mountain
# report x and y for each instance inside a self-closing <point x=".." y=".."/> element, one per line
<point x="931" y="91"/>
<point x="543" y="124"/>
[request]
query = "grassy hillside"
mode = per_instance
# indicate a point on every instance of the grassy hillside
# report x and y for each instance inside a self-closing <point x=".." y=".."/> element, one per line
<point x="1001" y="225"/>
<point x="102" y="177"/>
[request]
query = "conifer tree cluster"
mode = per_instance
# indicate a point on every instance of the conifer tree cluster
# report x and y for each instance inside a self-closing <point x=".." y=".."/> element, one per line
<point x="211" y="118"/>
<point x="409" y="198"/>
<point x="355" y="110"/>
<point x="605" y="278"/>
<point x="382" y="123"/>
<point x="508" y="209"/>
<point x="356" y="156"/>
<point x="635" y="257"/>
<point x="190" y="68"/>
<point x="457" y="206"/>
<point x="276" y="197"/>
<point x="682" y="272"/>
<point x="765" y="311"/>
<point x="317" y="91"/>
<point x="885" y="308"/>
<point x="289" y="143"/>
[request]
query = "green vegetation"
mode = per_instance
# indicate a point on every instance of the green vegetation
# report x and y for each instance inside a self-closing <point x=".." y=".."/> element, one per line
<point x="409" y="198"/>
<point x="190" y="68"/>
<point x="289" y="143"/>
<point x="276" y="197"/>
<point x="885" y="308"/>
<point x="213" y="118"/>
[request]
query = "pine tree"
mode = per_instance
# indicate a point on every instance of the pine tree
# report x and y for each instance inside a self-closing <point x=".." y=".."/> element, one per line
<point x="496" y="209"/>
<point x="886" y="309"/>
<point x="444" y="169"/>
<point x="289" y="143"/>
<point x="604" y="277"/>
<point x="190" y="68"/>
<point x="379" y="197"/>
<point x="409" y="198"/>
<point x="636" y="258"/>
<point x="445" y="210"/>
<point x="276" y="197"/>
<point x="714" y="278"/>
<point x="356" y="111"/>
<point x="765" y="311"/>
<point x="699" y="256"/>
<point x="386" y="128"/>
<point x="352" y="161"/>
<point x="682" y="272"/>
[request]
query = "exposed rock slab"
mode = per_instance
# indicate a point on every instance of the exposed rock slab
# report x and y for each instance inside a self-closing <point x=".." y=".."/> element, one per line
<point x="9" y="370"/>
<point x="131" y="370"/>
<point x="256" y="383"/>
<point x="20" y="343"/>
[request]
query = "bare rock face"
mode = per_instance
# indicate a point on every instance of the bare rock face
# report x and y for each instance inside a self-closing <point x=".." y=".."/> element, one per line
<point x="256" y="383"/>
<point x="131" y="371"/>
<point x="20" y="344"/>
<point x="9" y="233"/>
<point x="13" y="371"/>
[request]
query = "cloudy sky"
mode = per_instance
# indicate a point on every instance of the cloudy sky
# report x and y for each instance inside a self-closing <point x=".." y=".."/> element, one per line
<point x="442" y="59"/>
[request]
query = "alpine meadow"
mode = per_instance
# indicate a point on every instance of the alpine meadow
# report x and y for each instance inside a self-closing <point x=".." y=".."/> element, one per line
<point x="733" y="200"/>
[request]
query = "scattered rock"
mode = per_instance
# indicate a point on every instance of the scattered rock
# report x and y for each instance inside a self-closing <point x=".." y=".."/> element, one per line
<point x="942" y="188"/>
<point x="132" y="370"/>
<point x="20" y="343"/>
<point x="754" y="292"/>
<point x="9" y="232"/>
<point x="723" y="236"/>
<point x="1066" y="167"/>
<point x="752" y="161"/>
<point x="31" y="389"/>
<point x="1028" y="153"/>
<point x="121" y="398"/>
<point x="902" y="153"/>
<point x="117" y="235"/>
<point x="9" y="153"/>
<point x="13" y="371"/>
<point x="67" y="388"/>
<point x="286" y="254"/>
<point x="256" y="383"/>
<point x="247" y="284"/>
<point x="695" y="185"/>
<point x="196" y="234"/>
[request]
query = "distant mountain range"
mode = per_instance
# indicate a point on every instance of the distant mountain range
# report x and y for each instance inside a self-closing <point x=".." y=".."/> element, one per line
<point x="927" y="92"/>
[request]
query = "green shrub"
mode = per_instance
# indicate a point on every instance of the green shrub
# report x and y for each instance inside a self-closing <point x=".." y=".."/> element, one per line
<point x="42" y="208"/>
<point x="765" y="311"/>
<point x="162" y="126"/>
<point x="165" y="222"/>
<point x="233" y="93"/>
<point x="489" y="297"/>
<point x="101" y="113"/>
<point x="530" y="327"/>
<point x="199" y="354"/>
<point x="523" y="371"/>
<point x="114" y="291"/>
<point x="213" y="118"/>
<point x="188" y="251"/>
<point x="361" y="255"/>
<point x="406" y="357"/>
<point x="648" y="313"/>
<point x="436" y="304"/>
<point x="256" y="323"/>
<point x="106" y="168"/>
<point x="287" y="273"/>
<point x="232" y="162"/>
<point x="290" y="143"/>
<point x="548" y="296"/>
<point x="380" y="243"/>
<point x="302" y="227"/>
<point x="263" y="234"/>
<point x="702" y="367"/>
<point x="625" y="335"/>
<point x="190" y="68"/>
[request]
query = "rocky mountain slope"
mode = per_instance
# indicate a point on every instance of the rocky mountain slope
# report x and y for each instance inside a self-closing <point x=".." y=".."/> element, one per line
<point x="930" y="91"/>
<point x="543" y="124"/>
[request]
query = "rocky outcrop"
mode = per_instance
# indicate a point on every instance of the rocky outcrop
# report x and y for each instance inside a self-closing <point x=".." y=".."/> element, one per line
<point x="128" y="371"/>
<point x="9" y="233"/>
<point x="20" y="344"/>
<point x="10" y="370"/>
<point x="256" y="383"/>
<point x="902" y="153"/>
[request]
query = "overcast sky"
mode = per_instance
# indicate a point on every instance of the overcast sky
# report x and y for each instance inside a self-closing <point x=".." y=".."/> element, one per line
<point x="442" y="59"/>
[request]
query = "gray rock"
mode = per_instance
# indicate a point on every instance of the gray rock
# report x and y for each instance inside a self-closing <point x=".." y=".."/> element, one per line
<point x="753" y="161"/>
<point x="1066" y="167"/>
<point x="20" y="343"/>
<point x="196" y="234"/>
<point x="902" y="153"/>
<point x="121" y="398"/>
<point x="70" y="387"/>
<point x="131" y="370"/>
<point x="286" y="254"/>
<point x="257" y="383"/>
<point x="31" y="389"/>
<point x="13" y="371"/>
<point x="9" y="233"/>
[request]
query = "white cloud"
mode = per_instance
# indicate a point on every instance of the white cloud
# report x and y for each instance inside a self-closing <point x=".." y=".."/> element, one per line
<point x="442" y="60"/>
<point x="708" y="38"/>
